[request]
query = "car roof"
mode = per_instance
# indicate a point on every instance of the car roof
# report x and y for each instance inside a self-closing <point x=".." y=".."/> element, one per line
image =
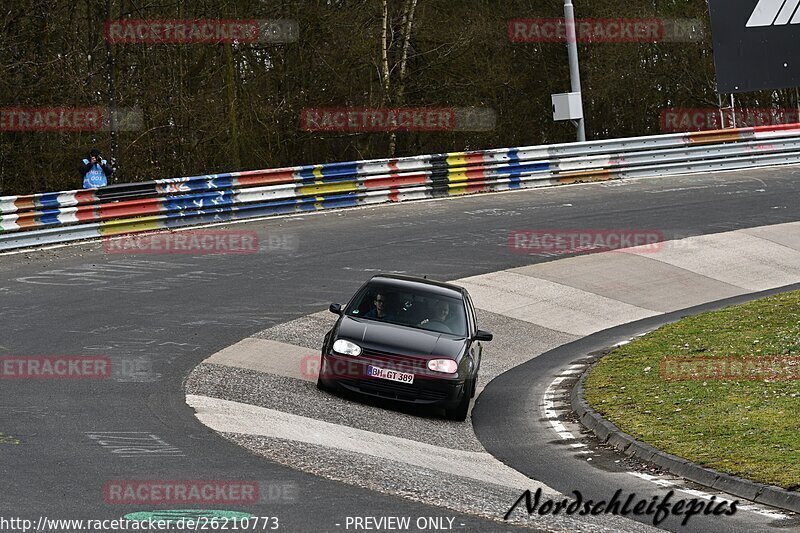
<point x="437" y="287"/>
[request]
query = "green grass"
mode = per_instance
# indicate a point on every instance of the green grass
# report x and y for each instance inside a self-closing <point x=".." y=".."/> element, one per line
<point x="749" y="428"/>
<point x="8" y="440"/>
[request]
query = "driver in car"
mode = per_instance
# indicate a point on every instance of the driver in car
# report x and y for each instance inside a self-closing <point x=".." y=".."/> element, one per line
<point x="441" y="311"/>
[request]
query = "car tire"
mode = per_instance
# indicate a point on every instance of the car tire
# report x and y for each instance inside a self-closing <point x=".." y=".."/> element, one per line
<point x="460" y="411"/>
<point x="474" y="386"/>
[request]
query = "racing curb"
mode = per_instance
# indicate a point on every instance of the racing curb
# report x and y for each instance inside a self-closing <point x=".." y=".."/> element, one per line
<point x="610" y="434"/>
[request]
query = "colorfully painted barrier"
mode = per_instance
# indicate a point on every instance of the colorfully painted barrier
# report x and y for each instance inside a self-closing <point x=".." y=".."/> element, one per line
<point x="177" y="202"/>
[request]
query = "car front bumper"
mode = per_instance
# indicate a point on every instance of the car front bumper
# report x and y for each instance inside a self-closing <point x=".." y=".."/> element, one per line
<point x="350" y="374"/>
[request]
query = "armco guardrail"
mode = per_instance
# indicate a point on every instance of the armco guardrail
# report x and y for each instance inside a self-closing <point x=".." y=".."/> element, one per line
<point x="170" y="203"/>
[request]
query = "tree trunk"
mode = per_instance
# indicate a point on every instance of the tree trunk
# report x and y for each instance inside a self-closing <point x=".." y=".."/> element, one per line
<point x="398" y="100"/>
<point x="233" y="122"/>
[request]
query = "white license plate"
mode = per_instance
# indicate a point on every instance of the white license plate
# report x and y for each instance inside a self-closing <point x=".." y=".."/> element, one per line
<point x="392" y="375"/>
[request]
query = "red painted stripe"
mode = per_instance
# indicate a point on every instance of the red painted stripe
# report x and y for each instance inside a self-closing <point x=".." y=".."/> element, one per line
<point x="86" y="212"/>
<point x="477" y="187"/>
<point x="396" y="181"/>
<point x="777" y="127"/>
<point x="275" y="178"/>
<point x="85" y="197"/>
<point x="24" y="203"/>
<point x="27" y="220"/>
<point x="148" y="206"/>
<point x="475" y="158"/>
<point x="476" y="174"/>
<point x="283" y="171"/>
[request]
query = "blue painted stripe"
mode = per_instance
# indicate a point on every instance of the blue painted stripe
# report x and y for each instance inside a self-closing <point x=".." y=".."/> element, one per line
<point x="235" y="212"/>
<point x="224" y="182"/>
<point x="307" y="204"/>
<point x="279" y="207"/>
<point x="340" y="200"/>
<point x="197" y="201"/>
<point x="48" y="217"/>
<point x="534" y="167"/>
<point x="307" y="172"/>
<point x="515" y="169"/>
<point x="49" y="199"/>
<point x="340" y="171"/>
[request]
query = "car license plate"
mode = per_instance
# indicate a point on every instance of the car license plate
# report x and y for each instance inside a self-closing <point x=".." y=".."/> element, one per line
<point x="392" y="375"/>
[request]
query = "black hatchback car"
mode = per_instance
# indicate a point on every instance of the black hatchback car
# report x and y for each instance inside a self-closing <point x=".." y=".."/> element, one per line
<point x="406" y="339"/>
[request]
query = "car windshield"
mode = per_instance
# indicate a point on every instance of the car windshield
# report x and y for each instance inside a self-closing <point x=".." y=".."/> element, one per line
<point x="417" y="309"/>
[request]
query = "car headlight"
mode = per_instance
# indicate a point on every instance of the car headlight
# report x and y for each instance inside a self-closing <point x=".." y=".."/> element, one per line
<point x="448" y="366"/>
<point x="346" y="347"/>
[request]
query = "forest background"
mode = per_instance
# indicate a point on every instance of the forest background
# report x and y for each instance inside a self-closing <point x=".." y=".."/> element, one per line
<point x="220" y="107"/>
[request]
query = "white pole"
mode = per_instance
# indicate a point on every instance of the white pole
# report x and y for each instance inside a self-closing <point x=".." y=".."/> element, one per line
<point x="574" y="70"/>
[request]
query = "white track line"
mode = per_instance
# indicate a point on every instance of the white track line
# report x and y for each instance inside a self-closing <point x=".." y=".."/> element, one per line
<point x="549" y="407"/>
<point x="676" y="484"/>
<point x="233" y="417"/>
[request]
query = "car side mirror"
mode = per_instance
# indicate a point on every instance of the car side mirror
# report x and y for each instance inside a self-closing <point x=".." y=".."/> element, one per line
<point x="336" y="309"/>
<point x="483" y="336"/>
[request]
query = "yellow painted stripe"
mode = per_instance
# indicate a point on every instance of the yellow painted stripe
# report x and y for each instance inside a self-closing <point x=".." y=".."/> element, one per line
<point x="456" y="190"/>
<point x="457" y="177"/>
<point x="456" y="159"/>
<point x="129" y="225"/>
<point x="317" y="171"/>
<point x="327" y="188"/>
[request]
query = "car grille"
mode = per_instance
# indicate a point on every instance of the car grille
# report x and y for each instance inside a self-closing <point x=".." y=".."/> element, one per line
<point x="395" y="362"/>
<point x="393" y="390"/>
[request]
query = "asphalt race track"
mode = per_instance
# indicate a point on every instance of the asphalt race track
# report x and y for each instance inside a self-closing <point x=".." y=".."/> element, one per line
<point x="168" y="313"/>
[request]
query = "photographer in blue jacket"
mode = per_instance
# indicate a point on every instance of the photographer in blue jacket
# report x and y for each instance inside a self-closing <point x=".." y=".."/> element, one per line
<point x="95" y="170"/>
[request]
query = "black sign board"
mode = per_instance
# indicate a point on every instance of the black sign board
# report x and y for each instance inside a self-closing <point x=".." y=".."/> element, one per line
<point x="756" y="44"/>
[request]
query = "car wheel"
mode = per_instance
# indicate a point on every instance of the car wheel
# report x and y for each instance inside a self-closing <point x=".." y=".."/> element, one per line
<point x="320" y="385"/>
<point x="459" y="412"/>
